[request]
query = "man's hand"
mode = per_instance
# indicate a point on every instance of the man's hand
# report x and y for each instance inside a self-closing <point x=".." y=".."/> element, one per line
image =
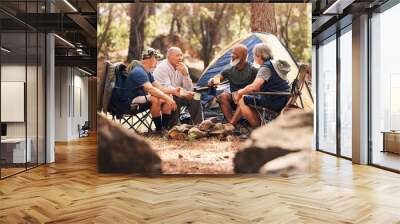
<point x="216" y="80"/>
<point x="176" y="92"/>
<point x="171" y="103"/>
<point x="189" y="96"/>
<point x="182" y="69"/>
<point x="238" y="96"/>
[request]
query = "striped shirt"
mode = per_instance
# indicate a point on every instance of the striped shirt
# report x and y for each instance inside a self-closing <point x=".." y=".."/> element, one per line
<point x="167" y="76"/>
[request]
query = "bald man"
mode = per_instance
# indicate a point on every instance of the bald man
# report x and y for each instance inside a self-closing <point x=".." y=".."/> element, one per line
<point x="174" y="76"/>
<point x="240" y="73"/>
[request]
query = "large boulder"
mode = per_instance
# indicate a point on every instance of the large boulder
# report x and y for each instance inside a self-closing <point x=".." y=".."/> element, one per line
<point x="282" y="145"/>
<point x="122" y="151"/>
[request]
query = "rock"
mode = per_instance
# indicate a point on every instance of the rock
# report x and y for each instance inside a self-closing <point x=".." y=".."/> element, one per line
<point x="122" y="151"/>
<point x="181" y="136"/>
<point x="206" y="125"/>
<point x="195" y="133"/>
<point x="173" y="133"/>
<point x="229" y="128"/>
<point x="184" y="128"/>
<point x="178" y="132"/>
<point x="280" y="146"/>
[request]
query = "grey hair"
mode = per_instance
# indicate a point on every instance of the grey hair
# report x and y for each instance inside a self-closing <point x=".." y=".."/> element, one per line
<point x="263" y="51"/>
<point x="173" y="50"/>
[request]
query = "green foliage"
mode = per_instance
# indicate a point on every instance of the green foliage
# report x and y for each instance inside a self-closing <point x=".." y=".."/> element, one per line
<point x="294" y="26"/>
<point x="294" y="29"/>
<point x="117" y="36"/>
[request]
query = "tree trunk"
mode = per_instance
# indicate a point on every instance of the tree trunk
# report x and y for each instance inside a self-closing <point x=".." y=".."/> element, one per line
<point x="138" y="14"/>
<point x="263" y="18"/>
<point x="210" y="32"/>
<point x="104" y="36"/>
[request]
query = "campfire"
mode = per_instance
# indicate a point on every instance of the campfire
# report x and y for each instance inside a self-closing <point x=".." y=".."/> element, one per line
<point x="208" y="128"/>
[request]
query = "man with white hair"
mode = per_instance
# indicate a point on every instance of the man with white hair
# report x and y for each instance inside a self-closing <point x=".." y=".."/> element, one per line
<point x="271" y="77"/>
<point x="173" y="75"/>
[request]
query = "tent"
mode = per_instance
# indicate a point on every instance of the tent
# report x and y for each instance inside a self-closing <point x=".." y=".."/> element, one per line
<point x="279" y="51"/>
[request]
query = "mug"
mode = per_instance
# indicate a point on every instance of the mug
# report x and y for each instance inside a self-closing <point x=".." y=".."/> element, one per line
<point x="196" y="96"/>
<point x="182" y="92"/>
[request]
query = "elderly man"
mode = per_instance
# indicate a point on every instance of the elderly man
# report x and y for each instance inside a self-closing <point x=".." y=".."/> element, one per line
<point x="271" y="77"/>
<point x="161" y="104"/>
<point x="173" y="75"/>
<point x="240" y="74"/>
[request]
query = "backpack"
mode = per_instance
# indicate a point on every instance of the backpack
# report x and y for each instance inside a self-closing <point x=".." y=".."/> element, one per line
<point x="117" y="106"/>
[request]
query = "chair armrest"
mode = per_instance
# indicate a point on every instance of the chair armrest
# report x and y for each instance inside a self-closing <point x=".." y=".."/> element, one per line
<point x="272" y="93"/>
<point x="204" y="88"/>
<point x="200" y="89"/>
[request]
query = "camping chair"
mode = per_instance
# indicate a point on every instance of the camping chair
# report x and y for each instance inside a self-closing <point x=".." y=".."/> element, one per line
<point x="136" y="116"/>
<point x="295" y="100"/>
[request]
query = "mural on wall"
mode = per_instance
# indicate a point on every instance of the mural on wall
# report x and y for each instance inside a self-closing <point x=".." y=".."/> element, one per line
<point x="204" y="88"/>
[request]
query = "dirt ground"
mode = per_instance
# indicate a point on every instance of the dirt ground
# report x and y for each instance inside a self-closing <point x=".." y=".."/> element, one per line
<point x="204" y="156"/>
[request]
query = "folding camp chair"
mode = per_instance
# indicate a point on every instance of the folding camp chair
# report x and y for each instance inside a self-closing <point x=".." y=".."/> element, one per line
<point x="137" y="116"/>
<point x="295" y="100"/>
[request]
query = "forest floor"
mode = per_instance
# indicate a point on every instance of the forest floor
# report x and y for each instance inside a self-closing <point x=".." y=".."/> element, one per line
<point x="203" y="156"/>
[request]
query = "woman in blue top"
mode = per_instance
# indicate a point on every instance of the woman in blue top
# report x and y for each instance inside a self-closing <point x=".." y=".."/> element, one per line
<point x="271" y="77"/>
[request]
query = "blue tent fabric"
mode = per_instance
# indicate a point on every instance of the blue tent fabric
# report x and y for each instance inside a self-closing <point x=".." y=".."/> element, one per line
<point x="225" y="59"/>
<point x="222" y="61"/>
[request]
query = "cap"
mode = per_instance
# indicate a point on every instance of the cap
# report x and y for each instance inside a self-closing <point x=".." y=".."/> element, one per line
<point x="150" y="52"/>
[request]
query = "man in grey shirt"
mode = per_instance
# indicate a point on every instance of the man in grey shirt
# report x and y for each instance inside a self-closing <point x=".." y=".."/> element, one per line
<point x="173" y="74"/>
<point x="240" y="73"/>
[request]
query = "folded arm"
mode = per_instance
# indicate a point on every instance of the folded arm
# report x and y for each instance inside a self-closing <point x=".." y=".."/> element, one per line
<point x="253" y="87"/>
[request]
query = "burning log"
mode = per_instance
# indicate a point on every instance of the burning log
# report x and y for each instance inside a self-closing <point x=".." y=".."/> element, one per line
<point x="207" y="128"/>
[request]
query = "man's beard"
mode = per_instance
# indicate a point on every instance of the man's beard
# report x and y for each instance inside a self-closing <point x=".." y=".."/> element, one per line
<point x="235" y="62"/>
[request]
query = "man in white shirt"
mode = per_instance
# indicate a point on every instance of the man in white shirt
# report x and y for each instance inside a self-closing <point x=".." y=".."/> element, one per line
<point x="173" y="74"/>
